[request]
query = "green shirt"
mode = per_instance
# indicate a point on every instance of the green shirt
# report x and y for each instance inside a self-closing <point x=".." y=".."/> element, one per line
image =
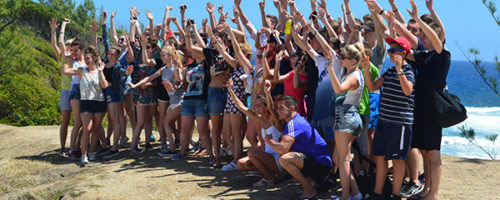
<point x="364" y="104"/>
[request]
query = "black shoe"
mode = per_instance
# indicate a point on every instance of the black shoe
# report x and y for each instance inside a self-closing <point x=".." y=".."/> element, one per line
<point x="149" y="147"/>
<point x="375" y="196"/>
<point x="112" y="153"/>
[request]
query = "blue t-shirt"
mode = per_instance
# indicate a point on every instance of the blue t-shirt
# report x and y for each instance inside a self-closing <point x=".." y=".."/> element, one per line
<point x="308" y="140"/>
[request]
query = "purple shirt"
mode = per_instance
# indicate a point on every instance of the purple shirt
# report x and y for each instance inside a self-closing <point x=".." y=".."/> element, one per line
<point x="308" y="140"/>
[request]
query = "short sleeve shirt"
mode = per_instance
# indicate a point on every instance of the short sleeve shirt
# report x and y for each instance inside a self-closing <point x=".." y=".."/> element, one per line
<point x="307" y="140"/>
<point x="395" y="106"/>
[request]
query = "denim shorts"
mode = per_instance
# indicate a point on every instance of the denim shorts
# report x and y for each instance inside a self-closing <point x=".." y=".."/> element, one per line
<point x="64" y="102"/>
<point x="74" y="94"/>
<point x="347" y="119"/>
<point x="216" y="100"/>
<point x="326" y="128"/>
<point x="112" y="96"/>
<point x="194" y="108"/>
<point x="89" y="106"/>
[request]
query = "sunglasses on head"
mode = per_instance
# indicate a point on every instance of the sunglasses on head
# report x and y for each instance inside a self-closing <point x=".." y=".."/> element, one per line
<point x="394" y="50"/>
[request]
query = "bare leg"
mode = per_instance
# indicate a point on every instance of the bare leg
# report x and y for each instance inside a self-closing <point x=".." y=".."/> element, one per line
<point x="141" y="117"/>
<point x="381" y="174"/>
<point x="63" y="130"/>
<point x="216" y="136"/>
<point x="434" y="157"/>
<point x="245" y="164"/>
<point x="150" y="111"/>
<point x="162" y="111"/>
<point x="235" y="133"/>
<point x="343" y="143"/>
<point x="97" y="131"/>
<point x="169" y="118"/>
<point x="87" y="128"/>
<point x="187" y="126"/>
<point x="114" y="110"/>
<point x="251" y="133"/>
<point x="413" y="161"/>
<point x="77" y="119"/>
<point x="398" y="174"/>
<point x="264" y="162"/>
<point x="293" y="163"/>
<point x="204" y="132"/>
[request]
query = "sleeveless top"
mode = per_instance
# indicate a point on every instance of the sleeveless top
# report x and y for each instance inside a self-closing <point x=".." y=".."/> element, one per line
<point x="90" y="89"/>
<point x="75" y="79"/>
<point x="352" y="97"/>
<point x="275" y="133"/>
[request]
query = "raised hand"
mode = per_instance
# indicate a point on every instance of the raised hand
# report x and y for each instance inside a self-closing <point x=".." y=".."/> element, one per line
<point x="66" y="21"/>
<point x="277" y="4"/>
<point x="210" y="7"/>
<point x="134" y="12"/>
<point x="365" y="62"/>
<point x="237" y="2"/>
<point x="169" y="8"/>
<point x="414" y="12"/>
<point x="346" y="2"/>
<point x="149" y="14"/>
<point x="104" y="16"/>
<point x="94" y="26"/>
<point x="174" y="19"/>
<point x="391" y="18"/>
<point x="204" y="22"/>
<point x="265" y="52"/>
<point x="53" y="24"/>
<point x="321" y="11"/>
<point x="183" y="8"/>
<point x="262" y="5"/>
<point x="220" y="9"/>
<point x="428" y="3"/>
<point x="398" y="61"/>
<point x="144" y="39"/>
<point x="236" y="12"/>
<point x="130" y="69"/>
<point x="229" y="84"/>
<point x="131" y="85"/>
<point x="291" y="3"/>
<point x="267" y="86"/>
<point x="322" y="4"/>
<point x="113" y="15"/>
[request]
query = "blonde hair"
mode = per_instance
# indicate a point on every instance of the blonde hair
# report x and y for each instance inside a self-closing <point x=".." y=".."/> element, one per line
<point x="353" y="51"/>
<point x="246" y="48"/>
<point x="174" y="53"/>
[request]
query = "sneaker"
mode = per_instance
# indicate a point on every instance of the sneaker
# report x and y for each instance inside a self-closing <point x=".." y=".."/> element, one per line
<point x="177" y="157"/>
<point x="167" y="153"/>
<point x="152" y="138"/>
<point x="112" y="153"/>
<point x="92" y="156"/>
<point x="136" y="151"/>
<point x="264" y="182"/>
<point x="359" y="196"/>
<point x="123" y="141"/>
<point x="411" y="189"/>
<point x="84" y="160"/>
<point x="230" y="167"/>
<point x="149" y="147"/>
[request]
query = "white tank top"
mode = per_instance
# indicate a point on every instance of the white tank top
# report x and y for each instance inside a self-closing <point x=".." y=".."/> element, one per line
<point x="90" y="89"/>
<point x="275" y="133"/>
<point x="352" y="97"/>
<point x="75" y="79"/>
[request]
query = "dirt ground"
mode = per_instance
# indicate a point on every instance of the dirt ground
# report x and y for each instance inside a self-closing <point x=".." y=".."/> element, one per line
<point x="31" y="169"/>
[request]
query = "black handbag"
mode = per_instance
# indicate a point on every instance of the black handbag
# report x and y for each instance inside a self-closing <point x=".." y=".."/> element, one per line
<point x="448" y="111"/>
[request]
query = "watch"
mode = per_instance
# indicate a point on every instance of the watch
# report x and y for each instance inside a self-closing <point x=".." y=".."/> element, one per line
<point x="400" y="73"/>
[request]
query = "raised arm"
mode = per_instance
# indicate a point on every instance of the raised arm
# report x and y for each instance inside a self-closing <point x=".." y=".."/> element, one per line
<point x="145" y="59"/>
<point x="381" y="30"/>
<point x="338" y="87"/>
<point x="195" y="50"/>
<point x="240" y="105"/>
<point x="222" y="51"/>
<point x="262" y="6"/>
<point x="270" y="103"/>
<point x="182" y="33"/>
<point x="278" y="78"/>
<point x="165" y="25"/>
<point x="429" y="33"/>
<point x="248" y="25"/>
<point x="62" y="44"/>
<point x="265" y="65"/>
<point x="297" y="83"/>
<point x="396" y="11"/>
<point x="130" y="53"/>
<point x="149" y="15"/>
<point x="102" y="79"/>
<point x="105" y="36"/>
<point x="238" y="52"/>
<point x="436" y="18"/>
<point x="211" y="9"/>
<point x="401" y="30"/>
<point x="114" y="36"/>
<point x="350" y="17"/>
<point x="53" y="41"/>
<point x="371" y="84"/>
<point x="67" y="66"/>
<point x="197" y="35"/>
<point x="329" y="28"/>
<point x="94" y="27"/>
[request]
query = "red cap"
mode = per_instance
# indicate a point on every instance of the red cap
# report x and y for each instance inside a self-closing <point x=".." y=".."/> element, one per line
<point x="403" y="42"/>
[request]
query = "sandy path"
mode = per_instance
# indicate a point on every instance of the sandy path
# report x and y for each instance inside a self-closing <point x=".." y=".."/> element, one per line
<point x="150" y="177"/>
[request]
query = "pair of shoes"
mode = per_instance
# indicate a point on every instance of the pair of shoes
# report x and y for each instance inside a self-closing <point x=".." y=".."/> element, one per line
<point x="230" y="167"/>
<point x="92" y="156"/>
<point x="264" y="182"/>
<point x="177" y="157"/>
<point x="167" y="153"/>
<point x="123" y="141"/>
<point x="411" y="189"/>
<point x="112" y="153"/>
<point x="84" y="160"/>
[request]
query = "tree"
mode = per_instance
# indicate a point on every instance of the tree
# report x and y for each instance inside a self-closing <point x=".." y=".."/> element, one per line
<point x="490" y="80"/>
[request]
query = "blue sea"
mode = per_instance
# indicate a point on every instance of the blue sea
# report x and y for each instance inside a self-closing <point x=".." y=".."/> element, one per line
<point x="483" y="110"/>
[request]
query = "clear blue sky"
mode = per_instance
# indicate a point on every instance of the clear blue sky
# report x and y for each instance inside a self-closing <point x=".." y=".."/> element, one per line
<point x="466" y="21"/>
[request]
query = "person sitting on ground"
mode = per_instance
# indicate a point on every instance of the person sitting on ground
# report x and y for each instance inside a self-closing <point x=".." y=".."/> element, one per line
<point x="304" y="153"/>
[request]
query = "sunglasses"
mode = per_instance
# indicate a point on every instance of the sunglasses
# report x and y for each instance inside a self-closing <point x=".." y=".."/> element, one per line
<point x="259" y="56"/>
<point x="122" y="40"/>
<point x="394" y="50"/>
<point x="343" y="57"/>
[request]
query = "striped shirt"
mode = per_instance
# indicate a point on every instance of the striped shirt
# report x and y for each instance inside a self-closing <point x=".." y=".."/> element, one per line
<point x="395" y="106"/>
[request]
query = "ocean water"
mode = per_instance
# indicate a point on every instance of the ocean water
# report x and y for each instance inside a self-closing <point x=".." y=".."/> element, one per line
<point x="483" y="111"/>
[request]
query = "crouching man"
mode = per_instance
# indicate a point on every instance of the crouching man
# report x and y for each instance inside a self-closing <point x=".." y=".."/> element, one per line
<point x="304" y="153"/>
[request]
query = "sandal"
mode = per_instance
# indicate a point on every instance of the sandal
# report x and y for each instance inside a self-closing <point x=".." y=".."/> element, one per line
<point x="264" y="182"/>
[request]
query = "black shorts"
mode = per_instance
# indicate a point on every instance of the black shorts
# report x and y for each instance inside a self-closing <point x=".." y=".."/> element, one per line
<point x="313" y="169"/>
<point x="94" y="107"/>
<point x="161" y="93"/>
<point x="392" y="141"/>
<point x="427" y="134"/>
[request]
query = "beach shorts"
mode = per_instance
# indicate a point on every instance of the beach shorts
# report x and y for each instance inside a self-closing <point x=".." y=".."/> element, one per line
<point x="194" y="108"/>
<point x="64" y="101"/>
<point x="326" y="128"/>
<point x="216" y="100"/>
<point x="362" y="140"/>
<point x="112" y="96"/>
<point x="161" y="94"/>
<point x="374" y="100"/>
<point x="392" y="141"/>
<point x="317" y="172"/>
<point x="94" y="107"/>
<point x="347" y="119"/>
<point x="74" y="94"/>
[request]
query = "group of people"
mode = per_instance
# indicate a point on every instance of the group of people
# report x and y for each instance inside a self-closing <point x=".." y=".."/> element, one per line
<point x="313" y="93"/>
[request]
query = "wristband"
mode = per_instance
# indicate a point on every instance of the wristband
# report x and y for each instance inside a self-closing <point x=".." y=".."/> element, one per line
<point x="348" y="13"/>
<point x="61" y="33"/>
<point x="382" y="12"/>
<point x="400" y="73"/>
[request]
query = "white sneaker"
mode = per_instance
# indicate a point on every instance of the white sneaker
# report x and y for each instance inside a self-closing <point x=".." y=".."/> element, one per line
<point x="359" y="196"/>
<point x="84" y="160"/>
<point x="92" y="156"/>
<point x="230" y="167"/>
<point x="229" y="152"/>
